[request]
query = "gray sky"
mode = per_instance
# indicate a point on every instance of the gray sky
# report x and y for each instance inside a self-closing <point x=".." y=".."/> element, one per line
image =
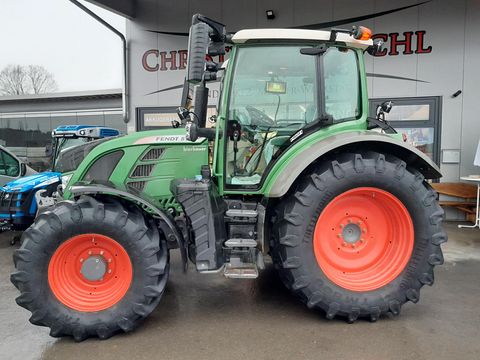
<point x="81" y="53"/>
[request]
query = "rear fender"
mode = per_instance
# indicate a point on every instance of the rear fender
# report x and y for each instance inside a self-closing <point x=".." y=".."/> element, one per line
<point x="349" y="142"/>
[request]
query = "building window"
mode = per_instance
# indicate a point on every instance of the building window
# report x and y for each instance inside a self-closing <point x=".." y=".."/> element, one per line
<point x="29" y="134"/>
<point x="419" y="119"/>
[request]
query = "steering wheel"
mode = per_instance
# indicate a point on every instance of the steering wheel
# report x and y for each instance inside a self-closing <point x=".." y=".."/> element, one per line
<point x="258" y="117"/>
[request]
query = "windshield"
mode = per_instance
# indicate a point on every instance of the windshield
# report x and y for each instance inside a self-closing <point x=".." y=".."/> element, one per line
<point x="276" y="91"/>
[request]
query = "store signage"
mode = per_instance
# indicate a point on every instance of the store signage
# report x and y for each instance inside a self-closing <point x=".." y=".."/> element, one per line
<point x="409" y="43"/>
<point x="155" y="60"/>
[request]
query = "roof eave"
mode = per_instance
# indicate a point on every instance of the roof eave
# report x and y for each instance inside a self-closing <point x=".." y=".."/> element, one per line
<point x="125" y="8"/>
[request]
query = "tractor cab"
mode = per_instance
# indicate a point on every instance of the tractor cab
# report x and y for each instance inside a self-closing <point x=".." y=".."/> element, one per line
<point x="280" y="85"/>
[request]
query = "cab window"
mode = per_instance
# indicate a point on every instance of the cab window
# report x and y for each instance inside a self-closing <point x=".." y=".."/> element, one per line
<point x="9" y="166"/>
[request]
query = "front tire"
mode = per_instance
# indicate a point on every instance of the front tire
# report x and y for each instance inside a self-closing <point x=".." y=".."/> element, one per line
<point x="358" y="236"/>
<point x="90" y="269"/>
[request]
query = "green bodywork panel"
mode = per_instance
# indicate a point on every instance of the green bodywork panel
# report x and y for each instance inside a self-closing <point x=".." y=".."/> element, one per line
<point x="178" y="158"/>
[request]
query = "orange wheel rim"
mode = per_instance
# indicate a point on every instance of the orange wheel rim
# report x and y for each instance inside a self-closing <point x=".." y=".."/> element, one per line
<point x="363" y="239"/>
<point x="90" y="272"/>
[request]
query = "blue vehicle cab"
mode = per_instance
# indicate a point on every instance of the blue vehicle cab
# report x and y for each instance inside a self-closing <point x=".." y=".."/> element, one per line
<point x="19" y="199"/>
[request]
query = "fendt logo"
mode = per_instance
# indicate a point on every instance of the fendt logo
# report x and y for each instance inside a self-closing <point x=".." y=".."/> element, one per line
<point x="410" y="43"/>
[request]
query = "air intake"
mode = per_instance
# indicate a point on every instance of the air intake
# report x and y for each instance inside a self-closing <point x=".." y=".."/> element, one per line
<point x="153" y="154"/>
<point x="137" y="185"/>
<point x="142" y="170"/>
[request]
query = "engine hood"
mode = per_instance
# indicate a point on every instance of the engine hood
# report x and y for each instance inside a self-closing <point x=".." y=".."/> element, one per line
<point x="29" y="182"/>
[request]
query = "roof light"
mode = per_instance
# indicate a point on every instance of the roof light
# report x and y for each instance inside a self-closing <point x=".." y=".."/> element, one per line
<point x="361" y="33"/>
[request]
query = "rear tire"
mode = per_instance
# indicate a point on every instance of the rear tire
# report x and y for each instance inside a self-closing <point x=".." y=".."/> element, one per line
<point x="55" y="286"/>
<point x="313" y="274"/>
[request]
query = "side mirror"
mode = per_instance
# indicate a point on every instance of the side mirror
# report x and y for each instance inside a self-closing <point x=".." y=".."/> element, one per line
<point x="48" y="150"/>
<point x="384" y="108"/>
<point x="23" y="169"/>
<point x="198" y="41"/>
<point x="376" y="48"/>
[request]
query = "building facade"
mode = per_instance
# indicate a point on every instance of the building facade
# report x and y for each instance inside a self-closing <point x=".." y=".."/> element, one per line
<point x="428" y="68"/>
<point x="26" y="122"/>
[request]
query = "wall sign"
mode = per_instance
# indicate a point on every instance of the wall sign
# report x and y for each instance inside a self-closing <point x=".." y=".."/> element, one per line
<point x="409" y="43"/>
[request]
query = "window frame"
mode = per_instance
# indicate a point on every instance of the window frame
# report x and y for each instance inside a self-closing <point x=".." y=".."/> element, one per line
<point x="320" y="103"/>
<point x="434" y="117"/>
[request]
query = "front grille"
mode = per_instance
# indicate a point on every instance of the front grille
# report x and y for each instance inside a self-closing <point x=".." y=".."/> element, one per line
<point x="153" y="154"/>
<point x="8" y="198"/>
<point x="12" y="201"/>
<point x="143" y="170"/>
<point x="137" y="185"/>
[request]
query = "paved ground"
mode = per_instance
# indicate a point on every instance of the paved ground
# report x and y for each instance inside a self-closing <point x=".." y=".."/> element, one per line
<point x="209" y="317"/>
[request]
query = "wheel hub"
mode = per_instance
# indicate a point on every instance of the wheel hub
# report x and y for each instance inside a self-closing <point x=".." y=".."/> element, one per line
<point x="90" y="272"/>
<point x="351" y="233"/>
<point x="363" y="239"/>
<point x="94" y="268"/>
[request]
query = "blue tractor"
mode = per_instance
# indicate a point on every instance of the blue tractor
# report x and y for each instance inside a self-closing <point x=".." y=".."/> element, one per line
<point x="21" y="199"/>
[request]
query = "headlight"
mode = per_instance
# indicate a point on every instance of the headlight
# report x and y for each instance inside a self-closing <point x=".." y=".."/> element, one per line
<point x="65" y="180"/>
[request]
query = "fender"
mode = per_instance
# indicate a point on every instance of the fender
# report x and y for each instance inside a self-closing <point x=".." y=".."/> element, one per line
<point x="365" y="140"/>
<point x="166" y="224"/>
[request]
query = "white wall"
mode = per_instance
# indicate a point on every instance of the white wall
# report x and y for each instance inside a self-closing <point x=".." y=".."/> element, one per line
<point x="452" y="30"/>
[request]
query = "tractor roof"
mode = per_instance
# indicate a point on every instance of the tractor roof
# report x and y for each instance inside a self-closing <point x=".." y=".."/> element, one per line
<point x="244" y="36"/>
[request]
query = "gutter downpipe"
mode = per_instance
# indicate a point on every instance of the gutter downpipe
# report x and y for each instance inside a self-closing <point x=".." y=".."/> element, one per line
<point x="125" y="82"/>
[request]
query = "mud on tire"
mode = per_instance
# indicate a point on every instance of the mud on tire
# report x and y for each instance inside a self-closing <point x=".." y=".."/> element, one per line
<point x="292" y="243"/>
<point x="138" y="236"/>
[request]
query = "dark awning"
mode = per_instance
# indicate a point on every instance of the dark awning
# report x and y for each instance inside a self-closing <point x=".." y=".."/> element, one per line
<point x="124" y="8"/>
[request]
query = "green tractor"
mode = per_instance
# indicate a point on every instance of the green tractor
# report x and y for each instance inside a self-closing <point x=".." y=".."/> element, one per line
<point x="293" y="169"/>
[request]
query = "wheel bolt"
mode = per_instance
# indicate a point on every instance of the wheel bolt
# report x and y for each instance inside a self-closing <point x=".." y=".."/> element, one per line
<point x="341" y="226"/>
<point x="364" y="230"/>
<point x="101" y="252"/>
<point x="359" y="223"/>
<point x="339" y="236"/>
<point x="344" y="244"/>
<point x="81" y="260"/>
<point x="353" y="246"/>
<point x="362" y="240"/>
<point x="90" y="252"/>
<point x="109" y="271"/>
<point x="109" y="260"/>
<point x="349" y="221"/>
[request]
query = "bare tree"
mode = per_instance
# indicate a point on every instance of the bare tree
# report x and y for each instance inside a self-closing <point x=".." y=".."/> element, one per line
<point x="41" y="81"/>
<point x="13" y="80"/>
<point x="20" y="80"/>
